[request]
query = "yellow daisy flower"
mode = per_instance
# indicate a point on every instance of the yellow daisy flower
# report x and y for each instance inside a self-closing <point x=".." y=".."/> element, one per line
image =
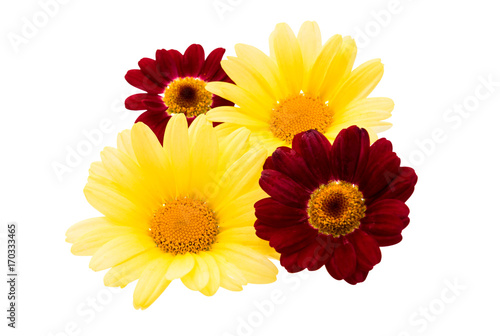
<point x="302" y="85"/>
<point x="184" y="210"/>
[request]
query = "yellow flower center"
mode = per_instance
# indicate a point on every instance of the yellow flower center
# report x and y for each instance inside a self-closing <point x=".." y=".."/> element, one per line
<point x="187" y="95"/>
<point x="336" y="208"/>
<point x="184" y="225"/>
<point x="298" y="114"/>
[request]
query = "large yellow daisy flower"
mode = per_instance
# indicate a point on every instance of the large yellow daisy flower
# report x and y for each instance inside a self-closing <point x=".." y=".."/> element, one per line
<point x="184" y="210"/>
<point x="303" y="85"/>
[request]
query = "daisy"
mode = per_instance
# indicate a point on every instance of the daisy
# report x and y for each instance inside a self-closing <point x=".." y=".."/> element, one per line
<point x="334" y="205"/>
<point x="183" y="210"/>
<point x="175" y="83"/>
<point x="302" y="85"/>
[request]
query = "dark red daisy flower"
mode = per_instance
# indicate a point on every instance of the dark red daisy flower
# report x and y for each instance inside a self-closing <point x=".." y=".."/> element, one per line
<point x="334" y="205"/>
<point x="175" y="83"/>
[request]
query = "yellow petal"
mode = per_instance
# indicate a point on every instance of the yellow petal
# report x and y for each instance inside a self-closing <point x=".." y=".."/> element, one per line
<point x="111" y="203"/>
<point x="98" y="171"/>
<point x="248" y="104"/>
<point x="130" y="179"/>
<point x="231" y="114"/>
<point x="339" y="69"/>
<point x="315" y="78"/>
<point x="233" y="146"/>
<point x="249" y="79"/>
<point x="240" y="178"/>
<point x="214" y="275"/>
<point x="124" y="144"/>
<point x="359" y="85"/>
<point x="152" y="282"/>
<point x="255" y="267"/>
<point x="204" y="156"/>
<point x="152" y="160"/>
<point x="231" y="277"/>
<point x="92" y="241"/>
<point x="198" y="278"/>
<point x="181" y="265"/>
<point x="285" y="50"/>
<point x="240" y="235"/>
<point x="264" y="66"/>
<point x="130" y="270"/>
<point x="370" y="109"/>
<point x="309" y="38"/>
<point x="176" y="145"/>
<point x="79" y="229"/>
<point x="240" y="210"/>
<point x="120" y="249"/>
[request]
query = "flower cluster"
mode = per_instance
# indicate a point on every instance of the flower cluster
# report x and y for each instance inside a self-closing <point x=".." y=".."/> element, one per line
<point x="236" y="162"/>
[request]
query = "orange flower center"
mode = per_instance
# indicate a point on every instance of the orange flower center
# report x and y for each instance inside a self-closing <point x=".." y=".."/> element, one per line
<point x="298" y="114"/>
<point x="187" y="95"/>
<point x="336" y="208"/>
<point x="184" y="225"/>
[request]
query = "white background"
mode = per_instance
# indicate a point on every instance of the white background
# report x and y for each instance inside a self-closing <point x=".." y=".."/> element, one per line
<point x="67" y="78"/>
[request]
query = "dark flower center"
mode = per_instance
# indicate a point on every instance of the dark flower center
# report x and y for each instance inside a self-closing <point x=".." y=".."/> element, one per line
<point x="187" y="95"/>
<point x="336" y="208"/>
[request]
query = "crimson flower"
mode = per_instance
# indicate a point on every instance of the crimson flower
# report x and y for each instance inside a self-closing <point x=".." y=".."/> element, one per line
<point x="334" y="205"/>
<point x="175" y="83"/>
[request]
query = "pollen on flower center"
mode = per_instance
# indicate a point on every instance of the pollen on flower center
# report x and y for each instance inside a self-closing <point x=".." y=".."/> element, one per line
<point x="298" y="114"/>
<point x="336" y="208"/>
<point x="187" y="95"/>
<point x="184" y="225"/>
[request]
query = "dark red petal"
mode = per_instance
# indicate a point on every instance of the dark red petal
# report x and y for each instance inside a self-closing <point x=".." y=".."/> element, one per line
<point x="289" y="262"/>
<point x="401" y="187"/>
<point x="387" y="240"/>
<point x="155" y="105"/>
<point x="149" y="68"/>
<point x="290" y="163"/>
<point x="273" y="213"/>
<point x="405" y="221"/>
<point x="349" y="154"/>
<point x="139" y="80"/>
<point x="388" y="206"/>
<point x="343" y="262"/>
<point x="221" y="76"/>
<point x="269" y="164"/>
<point x="166" y="65"/>
<point x="264" y="231"/>
<point x="380" y="172"/>
<point x="358" y="276"/>
<point x="296" y="143"/>
<point x="212" y="64"/>
<point x="283" y="189"/>
<point x="140" y="101"/>
<point x="177" y="57"/>
<point x="156" y="121"/>
<point x="313" y="256"/>
<point x="382" y="224"/>
<point x="367" y="250"/>
<point x="219" y="101"/>
<point x="193" y="60"/>
<point x="292" y="238"/>
<point x="379" y="148"/>
<point x="315" y="149"/>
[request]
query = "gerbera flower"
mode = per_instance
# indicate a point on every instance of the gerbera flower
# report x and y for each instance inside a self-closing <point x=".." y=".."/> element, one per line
<point x="175" y="83"/>
<point x="183" y="210"/>
<point x="303" y="85"/>
<point x="334" y="205"/>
